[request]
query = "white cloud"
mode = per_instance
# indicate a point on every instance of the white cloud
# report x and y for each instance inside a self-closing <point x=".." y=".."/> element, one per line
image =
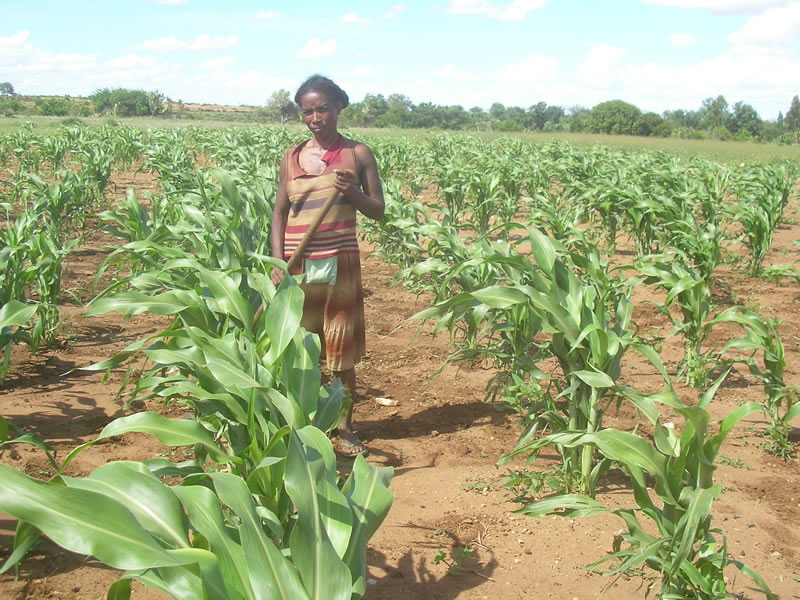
<point x="722" y="6"/>
<point x="265" y="15"/>
<point x="758" y="79"/>
<point x="775" y="27"/>
<point x="171" y="2"/>
<point x="682" y="39"/>
<point x="519" y="84"/>
<point x="601" y="67"/>
<point x="217" y="42"/>
<point x="315" y="48"/>
<point x="395" y="11"/>
<point x="166" y="44"/>
<point x="514" y="11"/>
<point x="136" y="62"/>
<point x="450" y="72"/>
<point x="535" y="69"/>
<point x="352" y="17"/>
<point x="218" y="64"/>
<point x="364" y="71"/>
<point x="199" y="43"/>
<point x="18" y="40"/>
<point x="17" y="55"/>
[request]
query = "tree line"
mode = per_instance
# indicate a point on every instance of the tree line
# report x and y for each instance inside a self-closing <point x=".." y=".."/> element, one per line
<point x="715" y="118"/>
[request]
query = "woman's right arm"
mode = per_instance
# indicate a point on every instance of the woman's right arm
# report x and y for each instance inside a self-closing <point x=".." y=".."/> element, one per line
<point x="280" y="215"/>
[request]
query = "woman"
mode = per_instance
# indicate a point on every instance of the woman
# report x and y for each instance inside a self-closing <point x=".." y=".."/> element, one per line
<point x="334" y="299"/>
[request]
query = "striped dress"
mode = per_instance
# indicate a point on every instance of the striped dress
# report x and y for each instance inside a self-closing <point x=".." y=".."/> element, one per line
<point x="335" y="313"/>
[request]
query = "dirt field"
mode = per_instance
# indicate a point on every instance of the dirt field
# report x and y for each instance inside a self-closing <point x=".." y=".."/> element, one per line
<point x="443" y="442"/>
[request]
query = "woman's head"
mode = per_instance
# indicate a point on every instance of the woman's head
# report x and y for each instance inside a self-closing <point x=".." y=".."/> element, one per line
<point x="320" y="101"/>
<point x="320" y="84"/>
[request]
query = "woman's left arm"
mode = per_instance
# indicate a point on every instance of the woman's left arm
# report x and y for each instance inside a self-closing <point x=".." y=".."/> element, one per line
<point x="364" y="189"/>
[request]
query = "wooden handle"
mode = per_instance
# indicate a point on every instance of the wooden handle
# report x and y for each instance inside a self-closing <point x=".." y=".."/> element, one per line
<point x="297" y="255"/>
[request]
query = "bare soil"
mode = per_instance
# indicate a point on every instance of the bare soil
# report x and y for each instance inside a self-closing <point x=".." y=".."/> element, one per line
<point x="443" y="441"/>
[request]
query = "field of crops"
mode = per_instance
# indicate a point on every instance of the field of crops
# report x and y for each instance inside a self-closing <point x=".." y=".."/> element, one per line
<point x="577" y="355"/>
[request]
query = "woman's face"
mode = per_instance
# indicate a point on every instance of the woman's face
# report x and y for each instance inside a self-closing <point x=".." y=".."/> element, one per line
<point x="319" y="113"/>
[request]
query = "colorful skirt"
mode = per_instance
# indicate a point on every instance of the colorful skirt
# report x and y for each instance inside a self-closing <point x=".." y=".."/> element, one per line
<point x="336" y="314"/>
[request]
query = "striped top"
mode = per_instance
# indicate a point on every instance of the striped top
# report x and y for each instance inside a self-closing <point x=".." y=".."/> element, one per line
<point x="307" y="193"/>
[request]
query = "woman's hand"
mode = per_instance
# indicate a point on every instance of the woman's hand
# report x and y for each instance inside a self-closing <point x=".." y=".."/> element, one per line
<point x="277" y="276"/>
<point x="346" y="181"/>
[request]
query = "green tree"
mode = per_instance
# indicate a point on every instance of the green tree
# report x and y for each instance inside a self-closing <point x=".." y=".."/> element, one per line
<point x="280" y="107"/>
<point x="478" y="118"/>
<point x="55" y="107"/>
<point x="156" y="103"/>
<point x="792" y="118"/>
<point x="6" y="89"/>
<point x="578" y="118"/>
<point x="121" y="102"/>
<point x="375" y="107"/>
<point x="452" y="117"/>
<point x="648" y="124"/>
<point x="538" y="115"/>
<point x="744" y="119"/>
<point x="423" y="115"/>
<point x="497" y="111"/>
<point x="715" y="112"/>
<point x="616" y="117"/>
<point x="396" y="115"/>
<point x="518" y="115"/>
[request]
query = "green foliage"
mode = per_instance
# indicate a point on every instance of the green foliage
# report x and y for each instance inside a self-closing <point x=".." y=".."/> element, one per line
<point x="267" y="513"/>
<point x="459" y="555"/>
<point x="687" y="554"/>
<point x="615" y="117"/>
<point x="122" y="102"/>
<point x="55" y="107"/>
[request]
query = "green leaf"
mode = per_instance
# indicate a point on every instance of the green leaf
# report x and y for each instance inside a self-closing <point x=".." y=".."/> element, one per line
<point x="568" y="505"/>
<point x="231" y="375"/>
<point x="82" y="521"/>
<point x="282" y="319"/>
<point x="227" y="296"/>
<point x="24" y="539"/>
<point x="171" y="432"/>
<point x="15" y="313"/>
<point x="499" y="296"/>
<point x="324" y="574"/>
<point x="133" y="486"/>
<point x="367" y="492"/>
<point x="594" y="379"/>
<point x="136" y="303"/>
<point x="203" y="509"/>
<point x="544" y="252"/>
<point x="271" y="575"/>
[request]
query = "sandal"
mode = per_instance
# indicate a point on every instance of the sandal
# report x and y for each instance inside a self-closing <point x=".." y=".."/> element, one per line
<point x="348" y="449"/>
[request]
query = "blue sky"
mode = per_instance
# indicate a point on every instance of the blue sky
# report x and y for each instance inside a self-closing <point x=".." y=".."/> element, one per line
<point x="656" y="54"/>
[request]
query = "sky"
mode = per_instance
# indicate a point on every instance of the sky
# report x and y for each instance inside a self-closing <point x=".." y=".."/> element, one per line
<point x="656" y="54"/>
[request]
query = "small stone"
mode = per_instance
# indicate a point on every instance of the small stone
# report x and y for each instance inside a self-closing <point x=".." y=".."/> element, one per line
<point x="777" y="555"/>
<point x="371" y="581"/>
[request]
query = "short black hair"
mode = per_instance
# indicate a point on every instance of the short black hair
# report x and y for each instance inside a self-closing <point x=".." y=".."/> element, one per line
<point x="320" y="83"/>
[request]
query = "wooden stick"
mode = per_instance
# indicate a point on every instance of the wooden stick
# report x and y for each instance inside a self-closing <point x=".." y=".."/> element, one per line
<point x="297" y="255"/>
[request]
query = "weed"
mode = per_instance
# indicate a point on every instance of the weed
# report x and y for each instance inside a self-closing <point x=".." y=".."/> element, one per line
<point x="737" y="462"/>
<point x="458" y="556"/>
<point x="478" y="483"/>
